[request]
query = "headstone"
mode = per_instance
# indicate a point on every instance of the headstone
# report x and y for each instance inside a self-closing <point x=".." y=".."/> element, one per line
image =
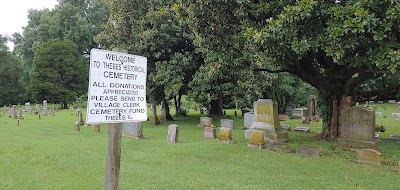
<point x="97" y="128"/>
<point x="133" y="129"/>
<point x="76" y="125"/>
<point x="283" y="117"/>
<point x="37" y="109"/>
<point x="225" y="135"/>
<point x="210" y="133"/>
<point x="302" y="129"/>
<point x="173" y="133"/>
<point x="289" y="107"/>
<point x="298" y="113"/>
<point x="357" y="103"/>
<point x="15" y="112"/>
<point x="367" y="106"/>
<point x="266" y="119"/>
<point x="4" y="110"/>
<point x="227" y="123"/>
<point x="394" y="137"/>
<point x="378" y="113"/>
<point x="377" y="136"/>
<point x="391" y="101"/>
<point x="369" y="156"/>
<point x="256" y="139"/>
<point x="371" y="102"/>
<point x="357" y="128"/>
<point x="286" y="127"/>
<point x="11" y="112"/>
<point x="307" y="150"/>
<point x="380" y="102"/>
<point x="205" y="122"/>
<point x="396" y="115"/>
<point x="248" y="120"/>
<point x="28" y="107"/>
<point x="80" y="117"/>
<point x="45" y="107"/>
<point x="312" y="113"/>
<point x="20" y="113"/>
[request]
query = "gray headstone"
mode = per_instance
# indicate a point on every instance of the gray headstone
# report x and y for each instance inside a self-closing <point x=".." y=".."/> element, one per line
<point x="298" y="113"/>
<point x="394" y="137"/>
<point x="15" y="112"/>
<point x="396" y="115"/>
<point x="209" y="133"/>
<point x="302" y="129"/>
<point x="248" y="120"/>
<point x="378" y="113"/>
<point x="357" y="103"/>
<point x="307" y="150"/>
<point x="76" y="125"/>
<point x="37" y="109"/>
<point x="227" y="123"/>
<point x="391" y="101"/>
<point x="371" y="102"/>
<point x="44" y="107"/>
<point x="205" y="121"/>
<point x="173" y="133"/>
<point x="133" y="130"/>
<point x="380" y="102"/>
<point x="357" y="128"/>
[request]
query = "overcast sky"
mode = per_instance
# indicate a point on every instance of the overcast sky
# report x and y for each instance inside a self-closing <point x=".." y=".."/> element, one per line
<point x="13" y="13"/>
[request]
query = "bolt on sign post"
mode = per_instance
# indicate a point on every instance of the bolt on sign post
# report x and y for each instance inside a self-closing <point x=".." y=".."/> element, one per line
<point x="117" y="93"/>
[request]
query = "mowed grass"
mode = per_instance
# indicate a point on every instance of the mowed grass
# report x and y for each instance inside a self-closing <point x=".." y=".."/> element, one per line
<point x="49" y="154"/>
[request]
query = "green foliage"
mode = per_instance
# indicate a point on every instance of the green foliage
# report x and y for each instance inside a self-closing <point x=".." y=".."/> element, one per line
<point x="10" y="71"/>
<point x="59" y="73"/>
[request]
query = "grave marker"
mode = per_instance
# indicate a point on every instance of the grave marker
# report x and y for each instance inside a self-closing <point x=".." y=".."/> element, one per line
<point x="357" y="128"/>
<point x="396" y="115"/>
<point x="378" y="113"/>
<point x="225" y="135"/>
<point x="44" y="107"/>
<point x="369" y="156"/>
<point x="173" y="131"/>
<point x="227" y="123"/>
<point x="312" y="113"/>
<point x="205" y="121"/>
<point x="391" y="101"/>
<point x="248" y="120"/>
<point x="302" y="129"/>
<point x="133" y="130"/>
<point x="210" y="133"/>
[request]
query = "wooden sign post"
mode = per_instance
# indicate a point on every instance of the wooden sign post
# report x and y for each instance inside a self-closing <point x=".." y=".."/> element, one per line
<point x="117" y="93"/>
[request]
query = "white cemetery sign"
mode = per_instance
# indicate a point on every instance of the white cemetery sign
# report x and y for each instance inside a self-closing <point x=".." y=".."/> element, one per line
<point x="117" y="87"/>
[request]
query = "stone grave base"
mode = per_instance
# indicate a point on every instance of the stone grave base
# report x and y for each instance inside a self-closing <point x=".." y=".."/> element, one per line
<point x="278" y="147"/>
<point x="136" y="138"/>
<point x="280" y="136"/>
<point x="351" y="143"/>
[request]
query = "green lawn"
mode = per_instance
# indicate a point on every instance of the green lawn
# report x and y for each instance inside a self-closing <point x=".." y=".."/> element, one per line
<point x="49" y="154"/>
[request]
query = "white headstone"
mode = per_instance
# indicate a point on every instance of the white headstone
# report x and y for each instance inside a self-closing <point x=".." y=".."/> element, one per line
<point x="248" y="119"/>
<point x="228" y="123"/>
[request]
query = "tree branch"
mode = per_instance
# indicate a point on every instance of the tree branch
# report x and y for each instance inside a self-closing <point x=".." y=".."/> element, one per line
<point x="272" y="71"/>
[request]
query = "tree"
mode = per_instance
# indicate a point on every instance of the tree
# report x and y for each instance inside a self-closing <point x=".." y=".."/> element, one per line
<point x="332" y="45"/>
<point x="151" y="29"/>
<point x="218" y="39"/>
<point x="10" y="70"/>
<point x="59" y="73"/>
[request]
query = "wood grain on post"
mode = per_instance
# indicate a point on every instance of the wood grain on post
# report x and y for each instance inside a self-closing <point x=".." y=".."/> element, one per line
<point x="113" y="158"/>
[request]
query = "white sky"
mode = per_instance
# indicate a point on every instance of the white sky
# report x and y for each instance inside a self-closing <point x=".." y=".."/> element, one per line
<point x="14" y="14"/>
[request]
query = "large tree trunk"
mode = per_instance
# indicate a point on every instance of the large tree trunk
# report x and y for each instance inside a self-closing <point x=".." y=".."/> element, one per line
<point x="216" y="106"/>
<point x="337" y="103"/>
<point x="65" y="105"/>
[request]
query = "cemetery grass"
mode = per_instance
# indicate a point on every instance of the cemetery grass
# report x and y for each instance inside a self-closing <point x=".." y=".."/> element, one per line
<point x="49" y="154"/>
